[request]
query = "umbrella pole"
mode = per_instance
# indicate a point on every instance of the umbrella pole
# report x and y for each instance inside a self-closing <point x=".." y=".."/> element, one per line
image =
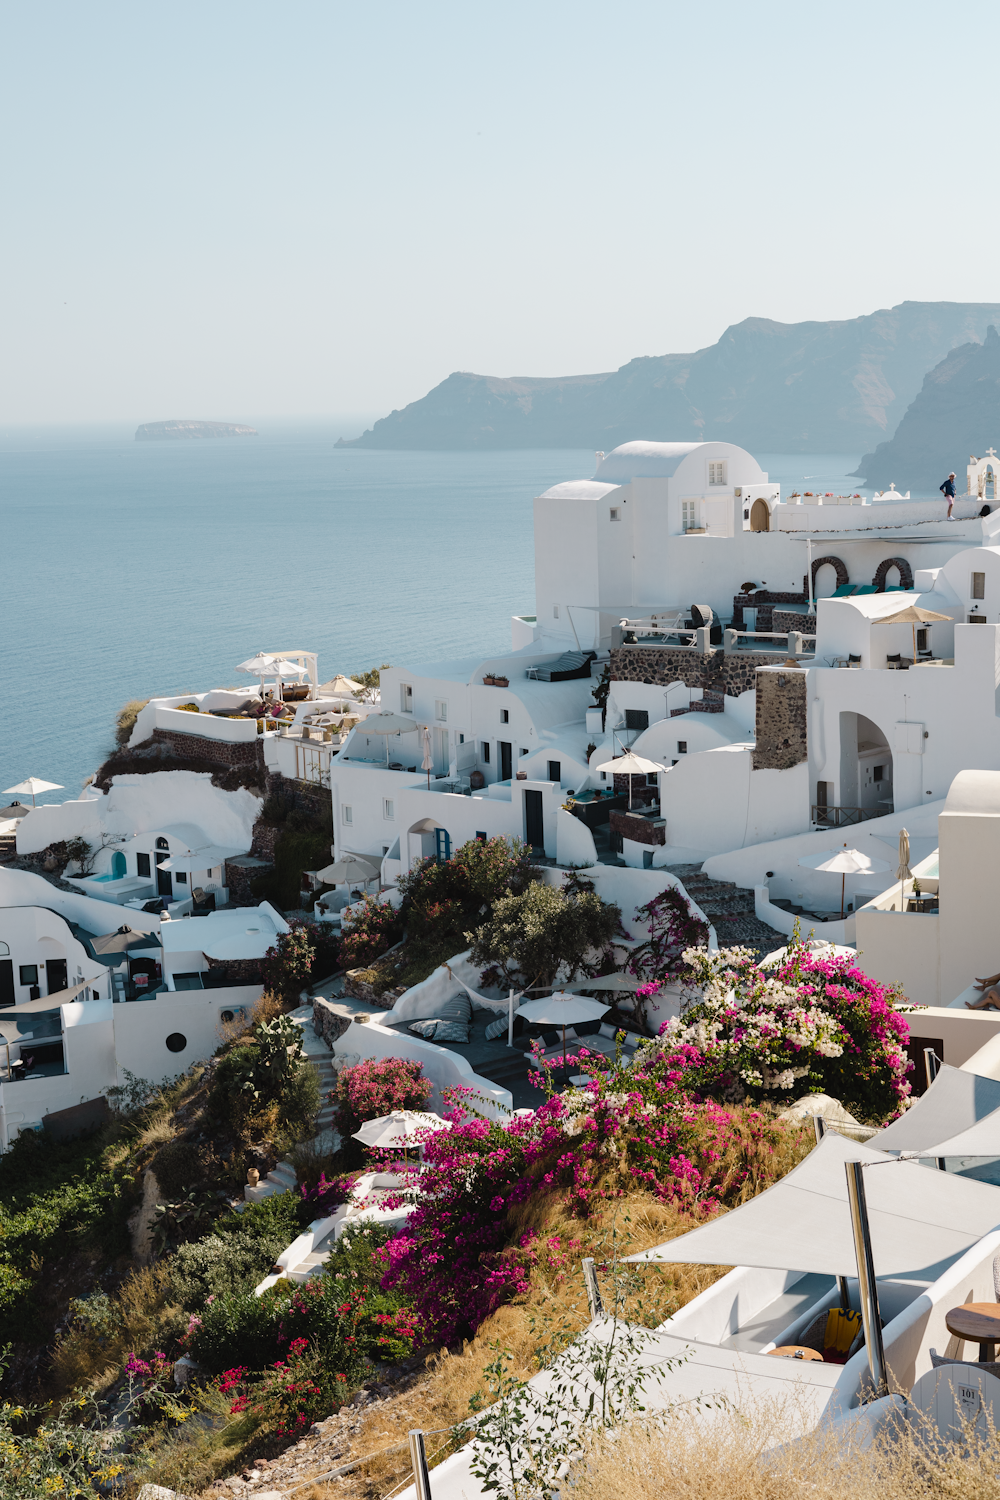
<point x="843" y="877"/>
<point x="510" y="1020"/>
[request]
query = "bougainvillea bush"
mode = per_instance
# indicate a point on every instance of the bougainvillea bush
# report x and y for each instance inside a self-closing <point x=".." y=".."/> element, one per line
<point x="375" y="1088"/>
<point x="370" y="928"/>
<point x="463" y="1253"/>
<point x="813" y="1024"/>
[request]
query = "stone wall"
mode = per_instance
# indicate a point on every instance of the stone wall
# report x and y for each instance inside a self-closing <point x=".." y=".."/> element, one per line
<point x="638" y="830"/>
<point x="781" y="720"/>
<point x="715" y="673"/>
<point x="785" y="620"/>
<point x="329" y="1023"/>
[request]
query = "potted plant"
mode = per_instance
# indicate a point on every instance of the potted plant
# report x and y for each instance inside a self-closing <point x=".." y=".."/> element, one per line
<point x="501" y="682"/>
<point x="489" y="680"/>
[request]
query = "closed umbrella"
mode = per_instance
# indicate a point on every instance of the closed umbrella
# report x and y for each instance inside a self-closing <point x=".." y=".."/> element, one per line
<point x="33" y="785"/>
<point x="630" y="765"/>
<point x="911" y="615"/>
<point x="388" y="723"/>
<point x="843" y="862"/>
<point x="903" y="872"/>
<point x="427" y="764"/>
<point x="563" y="1009"/>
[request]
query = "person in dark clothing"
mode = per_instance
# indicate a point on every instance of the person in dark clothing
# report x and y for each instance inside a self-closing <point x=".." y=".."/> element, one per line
<point x="948" y="491"/>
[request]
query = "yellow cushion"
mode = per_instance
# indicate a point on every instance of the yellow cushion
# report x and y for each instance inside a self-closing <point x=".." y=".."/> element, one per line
<point x="841" y="1329"/>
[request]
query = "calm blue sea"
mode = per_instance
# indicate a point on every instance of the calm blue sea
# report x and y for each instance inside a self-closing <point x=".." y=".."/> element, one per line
<point x="134" y="569"/>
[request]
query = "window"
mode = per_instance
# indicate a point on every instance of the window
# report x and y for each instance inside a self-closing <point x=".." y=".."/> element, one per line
<point x="717" y="473"/>
<point x="615" y="513"/>
<point x="505" y="716"/>
<point x="878" y="773"/>
<point x="480" y="836"/>
<point x="653" y="779"/>
<point x="636" y="718"/>
<point x="387" y="808"/>
<point x="142" y="865"/>
<point x="161" y="843"/>
<point x="604" y="775"/>
<point x="682" y="747"/>
<point x="406" y="698"/>
<point x="461" y="739"/>
<point x="555" y="611"/>
<point x="689" y="514"/>
<point x="385" y="850"/>
<point x="922" y="640"/>
<point x="524" y="752"/>
<point x="181" y="877"/>
<point x="441" y="709"/>
<point x="347" y="814"/>
<point x="29" y="973"/>
<point x="555" y="771"/>
<point x="176" y="1041"/>
<point x="978" y="589"/>
<point x="486" y="752"/>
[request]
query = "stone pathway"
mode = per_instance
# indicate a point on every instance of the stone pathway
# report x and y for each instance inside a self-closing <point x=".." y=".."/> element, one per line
<point x="730" y="909"/>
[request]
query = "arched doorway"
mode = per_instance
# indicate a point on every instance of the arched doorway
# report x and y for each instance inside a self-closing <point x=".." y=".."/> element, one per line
<point x="118" y="866"/>
<point x="426" y="840"/>
<point x="865" y="767"/>
<point x="164" y="884"/>
<point x="760" y="516"/>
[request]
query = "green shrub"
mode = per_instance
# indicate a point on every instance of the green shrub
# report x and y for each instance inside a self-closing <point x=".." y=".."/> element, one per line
<point x="374" y="928"/>
<point x="287" y="965"/>
<point x="528" y="937"/>
<point x="176" y="1167"/>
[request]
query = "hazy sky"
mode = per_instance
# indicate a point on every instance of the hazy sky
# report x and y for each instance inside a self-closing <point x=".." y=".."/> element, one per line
<point x="226" y="210"/>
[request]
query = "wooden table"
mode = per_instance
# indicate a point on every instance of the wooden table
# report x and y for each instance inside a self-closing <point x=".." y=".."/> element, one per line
<point x="796" y="1351"/>
<point x="976" y="1322"/>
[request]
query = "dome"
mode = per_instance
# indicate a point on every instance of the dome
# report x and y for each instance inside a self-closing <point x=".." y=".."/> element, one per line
<point x="578" y="489"/>
<point x="643" y="460"/>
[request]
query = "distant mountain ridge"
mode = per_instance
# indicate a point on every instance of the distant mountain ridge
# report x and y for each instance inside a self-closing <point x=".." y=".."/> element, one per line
<point x="835" y="387"/>
<point x="160" y="431"/>
<point x="955" y="414"/>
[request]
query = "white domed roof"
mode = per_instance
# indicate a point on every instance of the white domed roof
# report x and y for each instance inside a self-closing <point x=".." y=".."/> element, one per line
<point x="643" y="460"/>
<point x="578" y="489"/>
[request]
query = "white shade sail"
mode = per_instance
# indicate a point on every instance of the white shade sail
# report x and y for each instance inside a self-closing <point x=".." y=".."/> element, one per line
<point x="981" y="1138"/>
<point x="954" y="1102"/>
<point x="921" y="1220"/>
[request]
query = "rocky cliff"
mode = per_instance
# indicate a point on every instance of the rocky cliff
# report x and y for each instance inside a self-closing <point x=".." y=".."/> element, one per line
<point x="955" y="414"/>
<point x="834" y="387"/>
<point x="159" y="431"/>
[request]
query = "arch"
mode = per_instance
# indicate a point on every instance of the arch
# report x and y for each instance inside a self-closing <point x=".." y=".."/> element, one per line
<point x="161" y="843"/>
<point x="989" y="483"/>
<point x="760" y="516"/>
<point x="118" y="866"/>
<point x="885" y="567"/>
<point x="4" y="951"/>
<point x="821" y="562"/>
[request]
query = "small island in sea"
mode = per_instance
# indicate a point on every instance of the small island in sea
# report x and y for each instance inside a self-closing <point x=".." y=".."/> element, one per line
<point x="161" y="431"/>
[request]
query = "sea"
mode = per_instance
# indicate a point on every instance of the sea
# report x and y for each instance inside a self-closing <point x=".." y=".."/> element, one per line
<point x="134" y="569"/>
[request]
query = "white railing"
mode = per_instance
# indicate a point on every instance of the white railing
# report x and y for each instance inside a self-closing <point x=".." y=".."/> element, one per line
<point x="312" y="762"/>
<point x="793" y="639"/>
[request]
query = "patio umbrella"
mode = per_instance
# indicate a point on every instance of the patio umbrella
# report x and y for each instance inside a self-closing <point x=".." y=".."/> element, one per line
<point x="123" y="941"/>
<point x="843" y="862"/>
<point x="34" y="785"/>
<point x="911" y="615"/>
<point x="903" y="872"/>
<point x="260" y="666"/>
<point x="342" y="686"/>
<point x="427" y="764"/>
<point x="563" y="1009"/>
<point x="388" y="723"/>
<point x="347" y="870"/>
<point x="630" y="765"/>
<point x="403" y="1127"/>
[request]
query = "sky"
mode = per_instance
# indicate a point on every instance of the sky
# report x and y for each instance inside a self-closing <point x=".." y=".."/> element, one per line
<point x="320" y="210"/>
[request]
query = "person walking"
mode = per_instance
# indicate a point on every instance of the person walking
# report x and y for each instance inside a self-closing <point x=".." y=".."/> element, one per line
<point x="948" y="491"/>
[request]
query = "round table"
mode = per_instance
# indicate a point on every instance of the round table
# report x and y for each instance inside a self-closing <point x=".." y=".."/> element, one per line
<point x="977" y="1322"/>
<point x="796" y="1351"/>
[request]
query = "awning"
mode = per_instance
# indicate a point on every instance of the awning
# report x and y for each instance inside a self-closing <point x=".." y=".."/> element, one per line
<point x="921" y="1220"/>
<point x="955" y="1101"/>
<point x="980" y="1139"/>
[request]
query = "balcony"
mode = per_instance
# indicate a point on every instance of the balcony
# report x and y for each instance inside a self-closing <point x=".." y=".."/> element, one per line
<point x="847" y="817"/>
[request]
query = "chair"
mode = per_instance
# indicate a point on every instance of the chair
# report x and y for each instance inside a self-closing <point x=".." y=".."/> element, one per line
<point x="991" y="1367"/>
<point x="852" y="660"/>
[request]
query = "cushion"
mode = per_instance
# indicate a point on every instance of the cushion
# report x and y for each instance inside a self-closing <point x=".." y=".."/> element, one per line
<point x="608" y="1031"/>
<point x="458" y="1008"/>
<point x="438" y="1029"/>
<point x="496" y="1028"/>
<point x="844" y="590"/>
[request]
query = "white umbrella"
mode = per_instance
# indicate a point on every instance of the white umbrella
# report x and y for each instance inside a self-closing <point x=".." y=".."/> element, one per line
<point x="562" y="1009"/>
<point x="346" y="870"/>
<point x="260" y="666"/>
<point x="388" y="723"/>
<point x="33" y="785"/>
<point x="844" y="862"/>
<point x="342" y="686"/>
<point x="904" y="872"/>
<point x="427" y="764"/>
<point x="403" y="1127"/>
<point x="630" y="765"/>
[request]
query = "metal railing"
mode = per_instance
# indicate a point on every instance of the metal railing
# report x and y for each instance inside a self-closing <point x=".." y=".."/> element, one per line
<point x="312" y="762"/>
<point x="844" y="817"/>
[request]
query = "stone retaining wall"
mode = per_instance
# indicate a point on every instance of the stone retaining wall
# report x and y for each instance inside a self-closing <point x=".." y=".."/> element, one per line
<point x="328" y="1023"/>
<point x="716" y="672"/>
<point x="781" y="720"/>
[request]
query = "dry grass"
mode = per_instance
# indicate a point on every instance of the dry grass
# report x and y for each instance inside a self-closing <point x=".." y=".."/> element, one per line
<point x="728" y="1456"/>
<point x="93" y="1357"/>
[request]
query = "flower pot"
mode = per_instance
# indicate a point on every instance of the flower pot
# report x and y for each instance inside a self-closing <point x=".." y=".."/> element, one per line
<point x="489" y="680"/>
<point x="521" y="775"/>
<point x="477" y="781"/>
<point x="501" y="682"/>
